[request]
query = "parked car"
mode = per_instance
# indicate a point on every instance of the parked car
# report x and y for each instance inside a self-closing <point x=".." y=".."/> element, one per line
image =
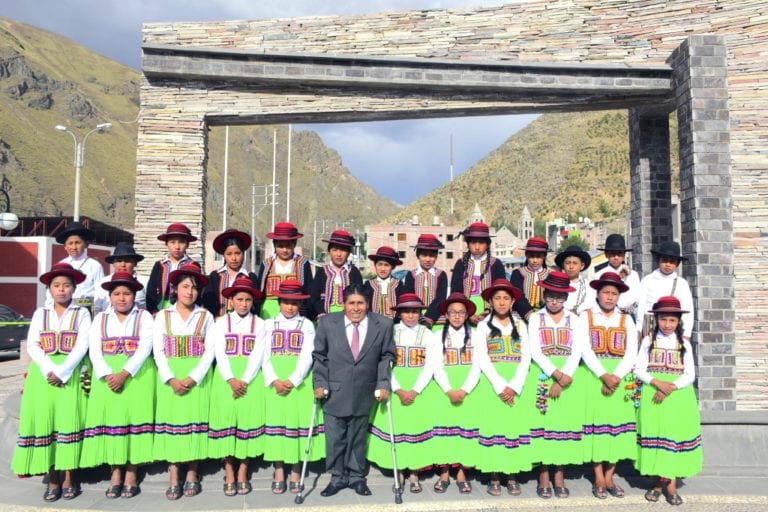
<point x="13" y="328"/>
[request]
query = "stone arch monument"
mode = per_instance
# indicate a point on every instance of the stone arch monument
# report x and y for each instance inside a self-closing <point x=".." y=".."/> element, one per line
<point x="700" y="59"/>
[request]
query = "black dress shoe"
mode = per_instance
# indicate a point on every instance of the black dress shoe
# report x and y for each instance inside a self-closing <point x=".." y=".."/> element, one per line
<point x="361" y="488"/>
<point x="331" y="489"/>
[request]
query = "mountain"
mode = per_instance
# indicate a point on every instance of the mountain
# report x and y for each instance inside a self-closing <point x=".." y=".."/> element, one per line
<point x="48" y="80"/>
<point x="574" y="164"/>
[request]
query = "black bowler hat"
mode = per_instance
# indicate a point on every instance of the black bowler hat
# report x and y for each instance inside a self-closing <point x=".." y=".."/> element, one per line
<point x="75" y="228"/>
<point x="670" y="249"/>
<point x="573" y="250"/>
<point x="615" y="242"/>
<point x="124" y="250"/>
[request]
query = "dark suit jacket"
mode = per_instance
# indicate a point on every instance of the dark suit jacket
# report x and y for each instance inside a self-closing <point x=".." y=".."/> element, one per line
<point x="351" y="383"/>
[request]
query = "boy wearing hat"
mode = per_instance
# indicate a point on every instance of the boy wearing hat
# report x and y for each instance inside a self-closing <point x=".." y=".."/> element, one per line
<point x="427" y="281"/>
<point x="528" y="277"/>
<point x="177" y="238"/>
<point x="573" y="261"/>
<point x="328" y="286"/>
<point x="75" y="238"/>
<point x="615" y="252"/>
<point x="664" y="281"/>
<point x="123" y="259"/>
<point x="384" y="290"/>
<point x="284" y="264"/>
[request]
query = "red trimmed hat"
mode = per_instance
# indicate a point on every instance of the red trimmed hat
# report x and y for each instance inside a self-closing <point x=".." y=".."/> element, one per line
<point x="501" y="284"/>
<point x="122" y="279"/>
<point x="62" y="269"/>
<point x="242" y="284"/>
<point x="290" y="289"/>
<point x="386" y="253"/>
<point x="609" y="278"/>
<point x="536" y="244"/>
<point x="75" y="228"/>
<point x="573" y="250"/>
<point x="477" y="230"/>
<point x="177" y="229"/>
<point x="409" y="300"/>
<point x="341" y="237"/>
<point x="284" y="231"/>
<point x="188" y="269"/>
<point x="244" y="238"/>
<point x="668" y="304"/>
<point x="428" y="242"/>
<point x="558" y="282"/>
<point x="458" y="297"/>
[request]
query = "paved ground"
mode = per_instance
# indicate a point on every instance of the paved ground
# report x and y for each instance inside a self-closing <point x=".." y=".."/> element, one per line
<point x="716" y="489"/>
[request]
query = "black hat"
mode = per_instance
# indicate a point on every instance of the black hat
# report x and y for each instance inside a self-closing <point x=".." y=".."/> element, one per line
<point x="75" y="228"/>
<point x="124" y="250"/>
<point x="615" y="242"/>
<point x="671" y="249"/>
<point x="573" y="250"/>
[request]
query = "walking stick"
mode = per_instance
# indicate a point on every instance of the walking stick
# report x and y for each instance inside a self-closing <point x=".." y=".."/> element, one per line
<point x="300" y="497"/>
<point x="398" y="490"/>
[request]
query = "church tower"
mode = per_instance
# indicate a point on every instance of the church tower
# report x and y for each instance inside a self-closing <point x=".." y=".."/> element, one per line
<point x="525" y="225"/>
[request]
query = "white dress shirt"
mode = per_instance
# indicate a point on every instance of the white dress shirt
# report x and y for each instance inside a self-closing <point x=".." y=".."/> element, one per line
<point x="362" y="329"/>
<point x="240" y="325"/>
<point x="455" y="339"/>
<point x="101" y="300"/>
<point x="582" y="299"/>
<point x="669" y="343"/>
<point x="115" y="328"/>
<point x="180" y="327"/>
<point x="599" y="317"/>
<point x="484" y="360"/>
<point x="82" y="325"/>
<point x="656" y="285"/>
<point x="93" y="271"/>
<point x="409" y="337"/>
<point x="579" y="340"/>
<point x="304" y="361"/>
<point x="628" y="299"/>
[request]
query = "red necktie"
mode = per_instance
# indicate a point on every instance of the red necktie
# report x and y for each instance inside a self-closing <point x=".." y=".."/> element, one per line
<point x="355" y="341"/>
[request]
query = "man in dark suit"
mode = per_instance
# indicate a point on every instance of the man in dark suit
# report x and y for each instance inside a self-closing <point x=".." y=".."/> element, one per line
<point x="353" y="357"/>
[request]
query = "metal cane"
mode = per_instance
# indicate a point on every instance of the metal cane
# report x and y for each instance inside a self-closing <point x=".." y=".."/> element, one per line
<point x="398" y="490"/>
<point x="300" y="497"/>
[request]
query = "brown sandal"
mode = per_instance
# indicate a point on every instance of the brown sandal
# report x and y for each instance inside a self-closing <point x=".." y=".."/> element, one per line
<point x="230" y="489"/>
<point x="652" y="495"/>
<point x="441" y="486"/>
<point x="464" y="487"/>
<point x="494" y="489"/>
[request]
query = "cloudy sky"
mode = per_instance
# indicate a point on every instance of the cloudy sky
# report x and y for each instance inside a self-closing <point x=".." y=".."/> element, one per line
<point x="383" y="154"/>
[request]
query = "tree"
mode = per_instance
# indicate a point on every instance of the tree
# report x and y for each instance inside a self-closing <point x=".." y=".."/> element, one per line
<point x="574" y="240"/>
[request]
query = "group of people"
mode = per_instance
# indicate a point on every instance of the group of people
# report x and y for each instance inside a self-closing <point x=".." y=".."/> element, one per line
<point x="499" y="375"/>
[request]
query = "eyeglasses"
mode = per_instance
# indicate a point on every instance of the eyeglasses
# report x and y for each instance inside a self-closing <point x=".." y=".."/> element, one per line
<point x="556" y="300"/>
<point x="456" y="313"/>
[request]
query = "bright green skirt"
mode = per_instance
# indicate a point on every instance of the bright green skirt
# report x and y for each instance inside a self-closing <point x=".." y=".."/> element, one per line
<point x="119" y="427"/>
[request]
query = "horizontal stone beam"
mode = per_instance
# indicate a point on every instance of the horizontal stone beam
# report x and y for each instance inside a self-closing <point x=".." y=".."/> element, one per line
<point x="549" y="82"/>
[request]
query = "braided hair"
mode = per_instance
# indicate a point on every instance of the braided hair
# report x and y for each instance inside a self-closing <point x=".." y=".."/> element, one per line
<point x="678" y="334"/>
<point x="467" y="335"/>
<point x="468" y="254"/>
<point x="496" y="331"/>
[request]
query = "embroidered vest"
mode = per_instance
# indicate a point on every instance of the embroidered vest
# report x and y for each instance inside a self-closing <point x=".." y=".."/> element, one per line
<point x="334" y="291"/>
<point x="425" y="285"/>
<point x="474" y="285"/>
<point x="58" y="342"/>
<point x="239" y="344"/>
<point x="504" y="349"/>
<point x="457" y="356"/>
<point x="608" y="342"/>
<point x="533" y="292"/>
<point x="384" y="304"/>
<point x="165" y="285"/>
<point x="184" y="345"/>
<point x="225" y="304"/>
<point x="411" y="356"/>
<point x="270" y="284"/>
<point x="287" y="342"/>
<point x="665" y="360"/>
<point x="555" y="341"/>
<point x="114" y="345"/>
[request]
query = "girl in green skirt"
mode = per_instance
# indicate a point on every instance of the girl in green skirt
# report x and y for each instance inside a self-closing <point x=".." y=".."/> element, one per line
<point x="668" y="422"/>
<point x="287" y="362"/>
<point x="418" y="352"/>
<point x="183" y="355"/>
<point x="557" y="338"/>
<point x="236" y="425"/>
<point x="284" y="264"/>
<point x="505" y="359"/>
<point x="457" y="377"/>
<point x="120" y="420"/>
<point x="610" y="427"/>
<point x="52" y="401"/>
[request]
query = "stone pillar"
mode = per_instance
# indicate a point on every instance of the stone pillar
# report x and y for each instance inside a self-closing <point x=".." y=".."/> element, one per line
<point x="651" y="185"/>
<point x="701" y="96"/>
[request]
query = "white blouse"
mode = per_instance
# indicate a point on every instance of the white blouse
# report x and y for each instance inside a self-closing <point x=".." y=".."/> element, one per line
<point x="486" y="365"/>
<point x="115" y="328"/>
<point x="455" y="339"/>
<point x="579" y="340"/>
<point x="180" y="327"/>
<point x="666" y="343"/>
<point x="608" y="321"/>
<point x="409" y="336"/>
<point x="239" y="325"/>
<point x="304" y="363"/>
<point x="82" y="324"/>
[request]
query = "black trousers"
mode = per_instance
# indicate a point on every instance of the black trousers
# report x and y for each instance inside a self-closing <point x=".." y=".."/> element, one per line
<point x="346" y="442"/>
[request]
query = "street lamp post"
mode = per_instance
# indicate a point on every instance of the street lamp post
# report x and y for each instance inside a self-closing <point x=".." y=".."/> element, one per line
<point x="79" y="158"/>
